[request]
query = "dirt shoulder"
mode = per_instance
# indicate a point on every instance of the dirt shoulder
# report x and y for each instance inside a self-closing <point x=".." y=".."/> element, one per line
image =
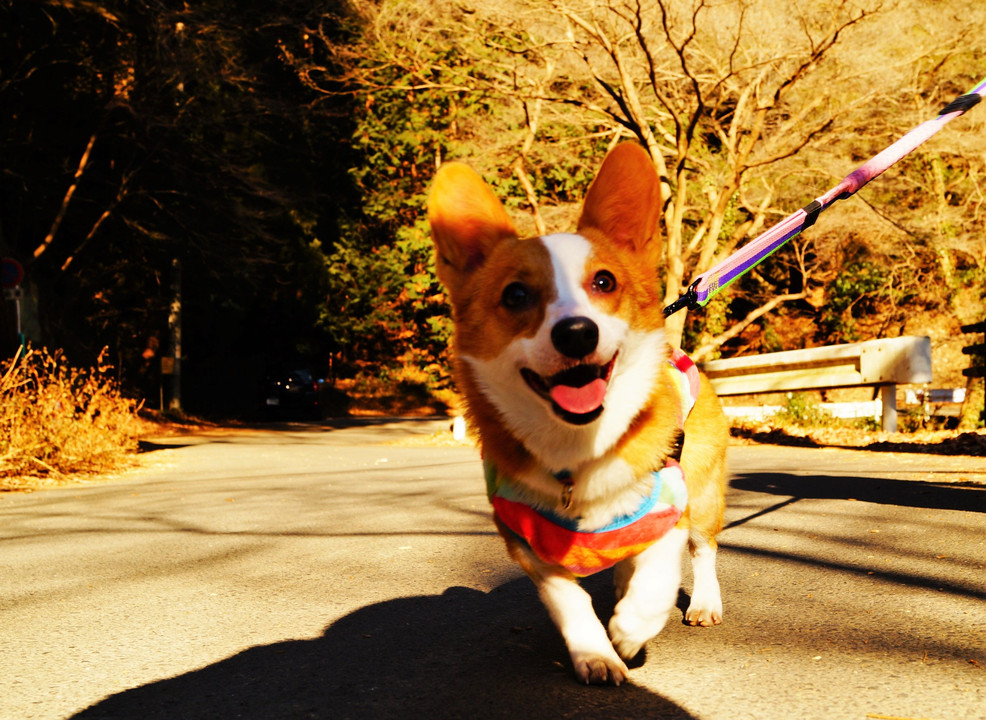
<point x="934" y="442"/>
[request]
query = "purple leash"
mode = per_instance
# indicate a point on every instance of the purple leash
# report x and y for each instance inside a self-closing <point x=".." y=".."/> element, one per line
<point x="706" y="285"/>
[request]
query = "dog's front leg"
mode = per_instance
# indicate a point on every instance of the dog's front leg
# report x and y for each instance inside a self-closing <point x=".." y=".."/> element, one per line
<point x="647" y="588"/>
<point x="593" y="656"/>
<point x="570" y="607"/>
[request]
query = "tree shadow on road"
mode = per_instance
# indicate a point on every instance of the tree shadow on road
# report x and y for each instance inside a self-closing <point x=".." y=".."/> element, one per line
<point x="462" y="654"/>
<point x="886" y="491"/>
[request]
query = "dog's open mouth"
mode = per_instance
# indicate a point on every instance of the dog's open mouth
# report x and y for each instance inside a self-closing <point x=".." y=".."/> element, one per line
<point x="576" y="394"/>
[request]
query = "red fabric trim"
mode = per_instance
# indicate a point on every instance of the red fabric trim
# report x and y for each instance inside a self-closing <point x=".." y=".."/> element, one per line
<point x="583" y="553"/>
<point x="684" y="363"/>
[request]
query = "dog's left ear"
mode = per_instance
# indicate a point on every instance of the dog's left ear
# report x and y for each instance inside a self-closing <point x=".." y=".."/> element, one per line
<point x="624" y="201"/>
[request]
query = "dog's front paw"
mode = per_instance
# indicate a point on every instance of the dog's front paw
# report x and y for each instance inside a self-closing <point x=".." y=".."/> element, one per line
<point x="630" y="632"/>
<point x="599" y="668"/>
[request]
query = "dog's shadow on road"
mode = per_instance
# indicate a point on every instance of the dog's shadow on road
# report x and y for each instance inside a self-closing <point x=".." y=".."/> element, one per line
<point x="462" y="654"/>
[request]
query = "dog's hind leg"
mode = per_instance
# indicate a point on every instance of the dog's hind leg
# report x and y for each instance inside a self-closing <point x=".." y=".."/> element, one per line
<point x="703" y="458"/>
<point x="705" y="516"/>
<point x="705" y="608"/>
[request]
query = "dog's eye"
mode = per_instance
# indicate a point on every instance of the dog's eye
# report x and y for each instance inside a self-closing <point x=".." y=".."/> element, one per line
<point x="516" y="296"/>
<point x="604" y="282"/>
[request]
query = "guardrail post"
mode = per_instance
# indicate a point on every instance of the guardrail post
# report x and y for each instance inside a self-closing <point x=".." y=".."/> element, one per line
<point x="888" y="419"/>
<point x="975" y="372"/>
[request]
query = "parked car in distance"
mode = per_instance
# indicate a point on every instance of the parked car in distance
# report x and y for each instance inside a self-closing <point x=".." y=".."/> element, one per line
<point x="290" y="391"/>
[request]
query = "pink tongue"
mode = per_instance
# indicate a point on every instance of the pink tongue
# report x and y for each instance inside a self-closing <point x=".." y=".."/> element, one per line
<point x="580" y="400"/>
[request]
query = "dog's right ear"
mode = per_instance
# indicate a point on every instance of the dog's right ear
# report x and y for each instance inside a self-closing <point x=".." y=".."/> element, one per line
<point x="466" y="221"/>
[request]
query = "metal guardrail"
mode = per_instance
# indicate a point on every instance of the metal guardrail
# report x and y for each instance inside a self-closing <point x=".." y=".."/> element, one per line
<point x="882" y="364"/>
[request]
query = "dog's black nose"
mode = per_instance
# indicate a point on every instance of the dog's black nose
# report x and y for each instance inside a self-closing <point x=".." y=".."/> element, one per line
<point x="575" y="337"/>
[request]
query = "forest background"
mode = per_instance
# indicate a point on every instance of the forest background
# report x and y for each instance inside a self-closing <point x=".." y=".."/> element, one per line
<point x="267" y="164"/>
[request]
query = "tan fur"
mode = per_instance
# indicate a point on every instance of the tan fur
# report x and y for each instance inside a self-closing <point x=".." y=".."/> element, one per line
<point x="703" y="459"/>
<point x="478" y="256"/>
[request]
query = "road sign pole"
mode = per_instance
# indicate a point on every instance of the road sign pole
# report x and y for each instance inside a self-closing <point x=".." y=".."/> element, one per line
<point x="21" y="338"/>
<point x="11" y="276"/>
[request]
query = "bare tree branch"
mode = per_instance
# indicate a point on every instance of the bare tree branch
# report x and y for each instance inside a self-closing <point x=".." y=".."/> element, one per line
<point x="121" y="193"/>
<point x="83" y="161"/>
<point x="532" y="117"/>
<point x="707" y="348"/>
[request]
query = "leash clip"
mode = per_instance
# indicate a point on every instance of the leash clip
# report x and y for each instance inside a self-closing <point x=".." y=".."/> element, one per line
<point x="961" y="104"/>
<point x="689" y="300"/>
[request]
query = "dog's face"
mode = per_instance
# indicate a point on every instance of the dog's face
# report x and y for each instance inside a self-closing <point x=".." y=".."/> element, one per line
<point x="563" y="334"/>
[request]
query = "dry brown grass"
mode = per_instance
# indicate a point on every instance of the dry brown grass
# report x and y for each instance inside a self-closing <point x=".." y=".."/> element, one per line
<point x="58" y="421"/>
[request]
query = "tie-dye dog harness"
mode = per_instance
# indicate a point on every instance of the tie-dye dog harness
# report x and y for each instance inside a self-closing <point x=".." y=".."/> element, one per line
<point x="557" y="540"/>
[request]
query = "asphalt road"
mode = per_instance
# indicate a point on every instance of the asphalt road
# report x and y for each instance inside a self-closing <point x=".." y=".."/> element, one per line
<point x="314" y="572"/>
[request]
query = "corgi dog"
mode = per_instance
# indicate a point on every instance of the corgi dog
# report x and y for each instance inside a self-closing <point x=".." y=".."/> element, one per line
<point x="602" y="446"/>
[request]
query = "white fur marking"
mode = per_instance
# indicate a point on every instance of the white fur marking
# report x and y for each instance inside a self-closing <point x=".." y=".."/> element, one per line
<point x="569" y="255"/>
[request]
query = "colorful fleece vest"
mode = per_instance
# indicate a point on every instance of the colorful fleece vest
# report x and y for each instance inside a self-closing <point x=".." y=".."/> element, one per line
<point x="556" y="539"/>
